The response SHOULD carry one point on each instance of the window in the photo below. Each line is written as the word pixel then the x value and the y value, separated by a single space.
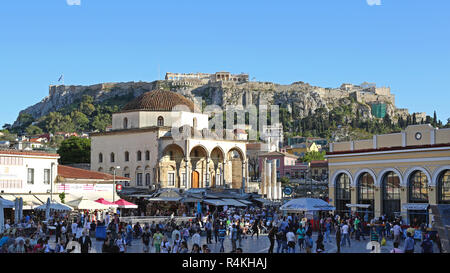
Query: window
pixel 139 156
pixel 444 188
pixel 278 163
pixel 160 121
pixel 147 179
pixel 30 177
pixel 147 155
pixel 100 158
pixel 183 181
pixel 139 179
pixel 171 179
pixel 418 190
pixel 46 176
pixel 125 123
pixel 343 187
pixel 112 157
pixel 391 186
pixel 127 156
pixel 366 188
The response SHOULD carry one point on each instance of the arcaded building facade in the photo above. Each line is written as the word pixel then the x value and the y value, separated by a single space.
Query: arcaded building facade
pixel 141 146
pixel 394 174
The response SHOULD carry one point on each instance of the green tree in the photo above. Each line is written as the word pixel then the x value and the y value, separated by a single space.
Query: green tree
pixel 310 156
pixel 33 130
pixel 75 150
pixel 80 121
pixel 86 106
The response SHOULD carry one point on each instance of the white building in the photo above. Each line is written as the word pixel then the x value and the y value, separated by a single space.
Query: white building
pixel 27 174
pixel 141 144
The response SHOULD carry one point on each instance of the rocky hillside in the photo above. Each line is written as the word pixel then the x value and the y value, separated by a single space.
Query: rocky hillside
pixel 299 98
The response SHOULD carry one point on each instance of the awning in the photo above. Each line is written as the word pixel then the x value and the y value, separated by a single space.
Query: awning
pixel 191 200
pixel 306 204
pixel 365 206
pixel 214 202
pixel 415 206
pixel 245 202
pixel 264 201
pixel 234 203
pixel 7 203
pixel 164 199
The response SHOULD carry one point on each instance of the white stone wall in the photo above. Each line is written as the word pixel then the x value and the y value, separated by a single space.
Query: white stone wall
pixel 18 171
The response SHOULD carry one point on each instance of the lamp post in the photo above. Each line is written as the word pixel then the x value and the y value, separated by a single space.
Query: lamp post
pixel 114 182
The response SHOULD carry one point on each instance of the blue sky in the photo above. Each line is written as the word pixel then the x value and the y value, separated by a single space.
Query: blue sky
pixel 404 44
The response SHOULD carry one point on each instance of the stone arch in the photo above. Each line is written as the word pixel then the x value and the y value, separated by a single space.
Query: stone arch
pixel 238 150
pixel 361 172
pixel 199 147
pixel 411 171
pixel 336 175
pixel 384 172
pixel 436 175
pixel 160 121
pixel 100 169
pixel 172 147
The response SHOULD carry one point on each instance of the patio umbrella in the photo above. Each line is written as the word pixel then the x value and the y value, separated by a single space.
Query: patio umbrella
pixel 2 218
pixel 306 204
pixel 20 209
pixel 47 209
pixel 54 206
pixel 104 202
pixel 125 204
pixel 16 211
pixel 83 204
pixel 6 203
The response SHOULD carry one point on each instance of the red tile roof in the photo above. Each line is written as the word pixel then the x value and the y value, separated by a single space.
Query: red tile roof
pixel 19 152
pixel 76 173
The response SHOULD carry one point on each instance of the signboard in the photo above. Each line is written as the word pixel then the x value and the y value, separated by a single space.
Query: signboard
pixel 287 191
pixel 118 188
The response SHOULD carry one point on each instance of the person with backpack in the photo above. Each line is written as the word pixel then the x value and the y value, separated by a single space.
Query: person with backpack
pixel 146 240
pixel 120 243
pixel 165 245
pixel 290 240
pixel 271 235
pixel 279 237
pixel 409 243
pixel 222 233
pixel 427 244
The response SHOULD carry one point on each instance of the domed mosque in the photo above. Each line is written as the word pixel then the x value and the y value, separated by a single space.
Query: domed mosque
pixel 141 144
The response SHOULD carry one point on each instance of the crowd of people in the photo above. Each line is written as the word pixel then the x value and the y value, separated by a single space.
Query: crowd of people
pixel 73 233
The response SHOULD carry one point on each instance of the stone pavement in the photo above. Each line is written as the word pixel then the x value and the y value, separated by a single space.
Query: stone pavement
pixel 261 245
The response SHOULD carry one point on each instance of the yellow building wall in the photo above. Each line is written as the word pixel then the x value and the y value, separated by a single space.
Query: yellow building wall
pixel 390 140
pixel 363 144
pixel 442 136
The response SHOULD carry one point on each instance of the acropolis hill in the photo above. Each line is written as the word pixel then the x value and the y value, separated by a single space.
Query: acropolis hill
pixel 224 88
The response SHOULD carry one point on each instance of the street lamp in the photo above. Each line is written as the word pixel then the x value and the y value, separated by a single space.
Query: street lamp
pixel 114 182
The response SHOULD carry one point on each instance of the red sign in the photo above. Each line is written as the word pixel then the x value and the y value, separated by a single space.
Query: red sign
pixel 118 187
